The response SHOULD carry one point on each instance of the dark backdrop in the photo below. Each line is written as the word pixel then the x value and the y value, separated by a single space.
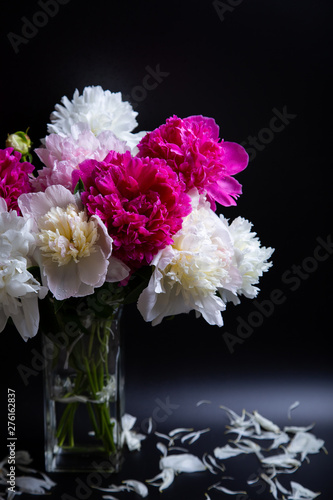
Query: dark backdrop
pixel 243 63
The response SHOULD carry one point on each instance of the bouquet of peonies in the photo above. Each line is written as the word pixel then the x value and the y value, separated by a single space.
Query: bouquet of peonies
pixel 132 211
pixel 115 217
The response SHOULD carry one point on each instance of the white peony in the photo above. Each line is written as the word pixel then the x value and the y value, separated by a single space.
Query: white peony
pixel 19 290
pixel 251 258
pixel 189 273
pixel 101 110
pixel 74 250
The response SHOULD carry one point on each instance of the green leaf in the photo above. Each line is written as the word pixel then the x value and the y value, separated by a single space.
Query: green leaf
pixel 79 186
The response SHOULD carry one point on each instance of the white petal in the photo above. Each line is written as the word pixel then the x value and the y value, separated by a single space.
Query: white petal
pixel 272 485
pixel 299 492
pixel 283 460
pixel 193 436
pixel 203 401
pixel 137 486
pixel 266 424
pixel 281 488
pixel 117 270
pixel 292 407
pixel 182 463
pixel 281 438
pixel 208 466
pixel 293 429
pixel 162 448
pixel 167 476
pixel 229 492
pixel 227 451
pixel 304 443
pixel 32 485
pixel 179 430
pixel 127 421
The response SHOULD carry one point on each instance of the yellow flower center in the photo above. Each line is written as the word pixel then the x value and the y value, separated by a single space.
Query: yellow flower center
pixel 66 234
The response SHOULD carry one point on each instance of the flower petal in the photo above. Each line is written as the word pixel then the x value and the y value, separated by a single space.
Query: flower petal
pixel 182 463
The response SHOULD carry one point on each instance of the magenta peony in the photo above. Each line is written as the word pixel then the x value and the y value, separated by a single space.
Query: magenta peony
pixel 14 177
pixel 140 200
pixel 191 147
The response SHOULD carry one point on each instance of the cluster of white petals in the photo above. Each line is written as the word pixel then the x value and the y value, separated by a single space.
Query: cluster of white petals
pixel 74 250
pixel 101 110
pixel 62 154
pixel 208 264
pixel 19 290
pixel 189 272
pixel 251 257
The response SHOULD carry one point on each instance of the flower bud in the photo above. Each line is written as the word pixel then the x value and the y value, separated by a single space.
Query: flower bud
pixel 20 141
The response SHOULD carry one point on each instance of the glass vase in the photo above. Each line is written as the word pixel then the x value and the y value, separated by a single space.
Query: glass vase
pixel 83 387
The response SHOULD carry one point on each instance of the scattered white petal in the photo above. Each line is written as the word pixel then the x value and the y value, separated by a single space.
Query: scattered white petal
pixel 272 485
pixel 179 430
pixel 166 476
pixel 292 407
pixel 249 446
pixel 241 431
pixel 193 436
pixel 32 485
pixel 203 402
pixel 137 486
pixel 113 488
pixel 208 465
pixel 214 463
pixel 227 451
pixel 301 493
pixel 162 448
pixel 279 439
pixel 233 417
pixel 226 490
pixel 305 443
pixel 150 425
pixel 292 429
pixel 165 436
pixel 266 424
pixel 253 481
pixel 128 436
pixel 185 462
pixel 283 460
pixel 281 488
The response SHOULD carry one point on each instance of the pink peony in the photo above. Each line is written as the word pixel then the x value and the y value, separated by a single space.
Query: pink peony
pixel 140 200
pixel 191 147
pixel 62 154
pixel 14 177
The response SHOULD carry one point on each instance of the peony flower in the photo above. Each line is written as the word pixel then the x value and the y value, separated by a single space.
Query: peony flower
pixel 191 147
pixel 62 154
pixel 140 200
pixel 19 290
pixel 75 250
pixel 189 272
pixel 101 110
pixel 14 177
pixel 251 258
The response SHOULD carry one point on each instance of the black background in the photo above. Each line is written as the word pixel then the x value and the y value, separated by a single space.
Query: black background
pixel 237 66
